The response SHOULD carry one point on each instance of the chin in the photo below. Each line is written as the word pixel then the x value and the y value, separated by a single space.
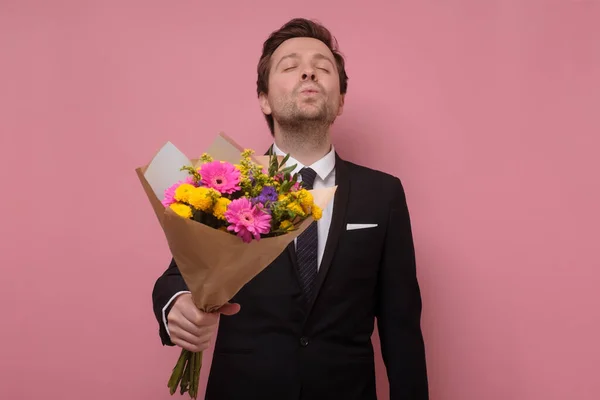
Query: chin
pixel 312 116
pixel 310 110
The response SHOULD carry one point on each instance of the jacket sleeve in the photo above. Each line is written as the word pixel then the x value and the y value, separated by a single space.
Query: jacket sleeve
pixel 399 307
pixel 166 289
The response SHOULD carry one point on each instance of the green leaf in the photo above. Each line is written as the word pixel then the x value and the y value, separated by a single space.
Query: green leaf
pixel 289 169
pixel 273 166
pixel 287 157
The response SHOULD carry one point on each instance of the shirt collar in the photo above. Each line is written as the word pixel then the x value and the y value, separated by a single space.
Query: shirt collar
pixel 322 167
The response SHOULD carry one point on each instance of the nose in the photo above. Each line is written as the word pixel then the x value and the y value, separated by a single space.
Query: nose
pixel 310 75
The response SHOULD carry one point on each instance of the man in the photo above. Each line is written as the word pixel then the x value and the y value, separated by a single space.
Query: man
pixel 302 328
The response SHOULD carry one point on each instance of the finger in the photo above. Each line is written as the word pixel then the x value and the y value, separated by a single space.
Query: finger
pixel 188 337
pixel 200 318
pixel 188 326
pixel 190 312
pixel 189 346
pixel 230 309
pixel 204 345
pixel 176 318
pixel 186 307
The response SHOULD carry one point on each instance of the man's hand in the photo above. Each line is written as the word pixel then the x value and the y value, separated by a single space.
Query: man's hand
pixel 191 328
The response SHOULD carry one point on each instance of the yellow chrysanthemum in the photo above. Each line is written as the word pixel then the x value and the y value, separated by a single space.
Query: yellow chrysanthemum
pixel 286 225
pixel 201 198
pixel 182 193
pixel 283 197
pixel 296 208
pixel 317 213
pixel 306 198
pixel 221 207
pixel 182 210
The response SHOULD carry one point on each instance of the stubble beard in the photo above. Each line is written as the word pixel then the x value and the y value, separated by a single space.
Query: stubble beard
pixel 303 128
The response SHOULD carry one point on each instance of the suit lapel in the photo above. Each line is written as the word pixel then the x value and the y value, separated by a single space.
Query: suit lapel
pixel 340 203
pixel 291 249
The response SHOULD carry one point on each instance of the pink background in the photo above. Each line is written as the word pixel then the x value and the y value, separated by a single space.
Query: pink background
pixel 488 110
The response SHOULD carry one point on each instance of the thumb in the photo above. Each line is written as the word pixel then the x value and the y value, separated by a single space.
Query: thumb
pixel 229 309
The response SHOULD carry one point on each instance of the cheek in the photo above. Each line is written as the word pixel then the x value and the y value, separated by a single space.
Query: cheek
pixel 332 85
pixel 282 85
pixel 333 93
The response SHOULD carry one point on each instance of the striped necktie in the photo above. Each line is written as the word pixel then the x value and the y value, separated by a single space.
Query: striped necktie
pixel 307 243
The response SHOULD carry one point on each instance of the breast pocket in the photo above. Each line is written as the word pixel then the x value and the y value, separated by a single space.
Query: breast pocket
pixel 361 249
pixel 365 235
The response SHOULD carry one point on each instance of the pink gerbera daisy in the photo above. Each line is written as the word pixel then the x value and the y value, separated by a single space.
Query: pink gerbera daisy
pixel 247 220
pixel 221 176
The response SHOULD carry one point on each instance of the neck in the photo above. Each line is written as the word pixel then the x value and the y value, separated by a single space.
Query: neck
pixel 305 145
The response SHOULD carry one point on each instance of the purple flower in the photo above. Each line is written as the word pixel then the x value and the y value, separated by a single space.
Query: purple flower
pixel 268 194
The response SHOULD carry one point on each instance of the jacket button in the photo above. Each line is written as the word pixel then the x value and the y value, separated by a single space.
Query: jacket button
pixel 304 341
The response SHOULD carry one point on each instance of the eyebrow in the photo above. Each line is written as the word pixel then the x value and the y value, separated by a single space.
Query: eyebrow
pixel 318 56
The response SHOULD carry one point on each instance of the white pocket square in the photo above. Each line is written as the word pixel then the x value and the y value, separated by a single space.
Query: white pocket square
pixel 359 226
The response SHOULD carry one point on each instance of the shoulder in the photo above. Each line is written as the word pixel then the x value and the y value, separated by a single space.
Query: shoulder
pixel 363 174
pixel 365 179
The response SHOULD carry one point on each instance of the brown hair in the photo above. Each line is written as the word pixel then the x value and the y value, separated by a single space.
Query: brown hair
pixel 297 27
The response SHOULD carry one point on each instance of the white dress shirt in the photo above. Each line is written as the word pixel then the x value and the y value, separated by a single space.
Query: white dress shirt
pixel 325 169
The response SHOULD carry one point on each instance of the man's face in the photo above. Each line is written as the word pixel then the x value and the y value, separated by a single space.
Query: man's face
pixel 304 84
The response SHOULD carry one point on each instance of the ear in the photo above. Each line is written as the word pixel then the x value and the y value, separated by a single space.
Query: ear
pixel 264 103
pixel 341 105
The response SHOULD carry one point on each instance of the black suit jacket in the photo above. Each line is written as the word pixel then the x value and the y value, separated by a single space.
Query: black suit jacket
pixel 276 349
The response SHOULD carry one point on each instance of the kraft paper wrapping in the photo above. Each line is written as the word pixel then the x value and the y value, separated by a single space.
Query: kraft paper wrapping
pixel 214 264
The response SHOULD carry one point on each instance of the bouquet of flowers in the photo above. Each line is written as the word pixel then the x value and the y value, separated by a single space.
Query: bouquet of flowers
pixel 226 216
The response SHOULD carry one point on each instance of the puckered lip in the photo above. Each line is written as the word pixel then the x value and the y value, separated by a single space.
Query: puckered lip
pixel 309 89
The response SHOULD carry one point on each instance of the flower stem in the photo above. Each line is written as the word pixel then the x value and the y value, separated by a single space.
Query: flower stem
pixel 190 378
pixel 185 378
pixel 196 374
pixel 178 371
pixel 186 374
